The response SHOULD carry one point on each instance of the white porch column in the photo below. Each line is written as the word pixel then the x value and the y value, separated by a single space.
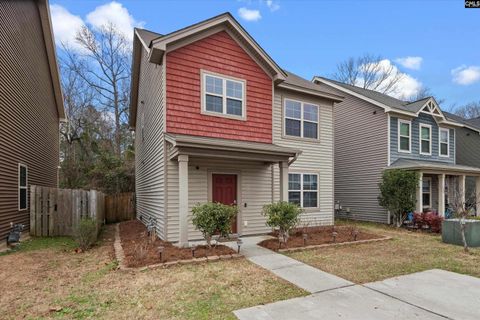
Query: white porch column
pixel 420 193
pixel 477 195
pixel 441 195
pixel 283 181
pixel 183 200
pixel 461 189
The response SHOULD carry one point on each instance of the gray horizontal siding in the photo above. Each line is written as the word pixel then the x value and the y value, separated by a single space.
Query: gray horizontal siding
pixel 361 154
pixel 468 147
pixel 415 143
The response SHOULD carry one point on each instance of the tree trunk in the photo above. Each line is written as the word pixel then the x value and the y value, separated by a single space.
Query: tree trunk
pixel 462 230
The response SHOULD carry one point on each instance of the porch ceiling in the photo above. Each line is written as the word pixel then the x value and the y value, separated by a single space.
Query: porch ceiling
pixel 434 167
pixel 228 149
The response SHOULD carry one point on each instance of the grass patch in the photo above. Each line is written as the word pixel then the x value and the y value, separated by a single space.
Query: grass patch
pixel 408 252
pixel 51 243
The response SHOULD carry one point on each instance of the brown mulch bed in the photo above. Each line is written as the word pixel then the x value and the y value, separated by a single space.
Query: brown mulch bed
pixel 317 236
pixel 140 251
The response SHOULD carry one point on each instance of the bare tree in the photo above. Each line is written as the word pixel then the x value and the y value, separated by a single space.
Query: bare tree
pixel 463 205
pixel 369 72
pixel 425 92
pixel 469 111
pixel 104 65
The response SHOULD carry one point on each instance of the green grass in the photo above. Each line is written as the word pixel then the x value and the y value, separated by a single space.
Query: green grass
pixel 52 243
pixel 406 253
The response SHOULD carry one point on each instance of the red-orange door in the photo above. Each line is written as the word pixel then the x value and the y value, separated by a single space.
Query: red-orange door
pixel 224 190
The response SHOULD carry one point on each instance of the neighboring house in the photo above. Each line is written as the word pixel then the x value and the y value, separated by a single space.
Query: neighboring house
pixel 374 132
pixel 216 119
pixel 31 107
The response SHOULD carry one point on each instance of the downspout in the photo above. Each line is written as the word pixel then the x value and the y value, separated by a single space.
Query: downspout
pixel 295 158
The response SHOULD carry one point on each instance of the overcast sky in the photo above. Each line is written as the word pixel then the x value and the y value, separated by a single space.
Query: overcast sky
pixel 435 43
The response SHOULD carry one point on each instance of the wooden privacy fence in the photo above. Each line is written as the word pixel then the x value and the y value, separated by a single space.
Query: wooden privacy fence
pixel 56 212
pixel 119 207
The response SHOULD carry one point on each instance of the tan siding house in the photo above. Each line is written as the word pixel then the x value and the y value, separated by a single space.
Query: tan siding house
pixel 213 130
pixel 30 107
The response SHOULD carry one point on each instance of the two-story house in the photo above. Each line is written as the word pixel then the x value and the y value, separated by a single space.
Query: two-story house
pixel 375 132
pixel 216 119
pixel 31 107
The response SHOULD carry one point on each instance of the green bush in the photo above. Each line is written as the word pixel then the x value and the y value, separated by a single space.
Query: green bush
pixel 211 218
pixel 85 233
pixel 398 193
pixel 283 216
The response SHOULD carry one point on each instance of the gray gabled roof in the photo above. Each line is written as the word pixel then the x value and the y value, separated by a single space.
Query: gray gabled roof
pixel 475 122
pixel 295 81
pixel 147 36
pixel 381 97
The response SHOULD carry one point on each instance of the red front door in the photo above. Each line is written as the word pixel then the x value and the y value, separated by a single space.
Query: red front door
pixel 224 190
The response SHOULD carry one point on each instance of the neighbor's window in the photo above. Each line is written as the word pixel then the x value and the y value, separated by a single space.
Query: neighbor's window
pixel 426 192
pixel 301 119
pixel 425 139
pixel 404 135
pixel 444 138
pixel 223 95
pixel 303 189
pixel 22 186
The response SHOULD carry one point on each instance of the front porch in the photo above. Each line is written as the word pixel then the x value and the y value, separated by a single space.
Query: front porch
pixel 441 184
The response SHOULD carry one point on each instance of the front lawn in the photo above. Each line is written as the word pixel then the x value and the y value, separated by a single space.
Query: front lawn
pixel 407 252
pixel 46 279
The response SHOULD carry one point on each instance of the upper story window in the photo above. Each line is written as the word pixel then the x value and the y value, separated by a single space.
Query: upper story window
pixel 223 96
pixel 303 189
pixel 301 119
pixel 425 139
pixel 444 142
pixel 404 135
pixel 22 186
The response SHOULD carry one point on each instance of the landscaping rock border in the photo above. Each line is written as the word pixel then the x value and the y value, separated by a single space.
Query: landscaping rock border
pixel 326 245
pixel 120 256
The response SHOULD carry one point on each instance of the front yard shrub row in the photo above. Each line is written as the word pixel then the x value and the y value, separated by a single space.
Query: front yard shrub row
pixel 213 218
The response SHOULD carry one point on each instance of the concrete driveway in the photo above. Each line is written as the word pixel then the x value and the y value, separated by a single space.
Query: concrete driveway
pixel 432 294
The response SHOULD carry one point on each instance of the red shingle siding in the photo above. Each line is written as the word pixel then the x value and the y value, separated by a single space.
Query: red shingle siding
pixel 218 53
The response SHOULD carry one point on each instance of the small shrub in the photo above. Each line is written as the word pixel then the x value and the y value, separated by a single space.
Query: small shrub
pixel 142 247
pixel 85 233
pixel 211 218
pixel 283 216
pixel 428 220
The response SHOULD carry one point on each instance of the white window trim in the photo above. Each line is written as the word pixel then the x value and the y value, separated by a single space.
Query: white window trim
pixel 440 142
pixel 302 103
pixel 423 125
pixel 20 165
pixel 400 121
pixel 429 179
pixel 301 188
pixel 224 114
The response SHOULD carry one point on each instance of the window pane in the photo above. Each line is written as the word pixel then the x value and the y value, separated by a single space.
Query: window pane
pixel 425 133
pixel 426 186
pixel 214 85
pixel 310 182
pixel 444 149
pixel 310 130
pixel 292 127
pixel 23 198
pixel 405 129
pixel 293 109
pixel 310 112
pixel 404 144
pixel 310 199
pixel 214 103
pixel 425 146
pixel 444 136
pixel 294 197
pixel 23 176
pixel 234 89
pixel 426 200
pixel 293 181
pixel 234 107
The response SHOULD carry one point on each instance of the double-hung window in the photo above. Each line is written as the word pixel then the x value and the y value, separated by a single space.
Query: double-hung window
pixel 404 135
pixel 427 192
pixel 22 187
pixel 301 119
pixel 303 189
pixel 444 142
pixel 425 139
pixel 223 96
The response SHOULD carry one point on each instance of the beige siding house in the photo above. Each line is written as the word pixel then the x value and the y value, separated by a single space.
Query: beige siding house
pixel 31 107
pixel 216 119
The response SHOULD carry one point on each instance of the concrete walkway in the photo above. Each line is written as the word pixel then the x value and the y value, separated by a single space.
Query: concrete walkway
pixel 300 274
